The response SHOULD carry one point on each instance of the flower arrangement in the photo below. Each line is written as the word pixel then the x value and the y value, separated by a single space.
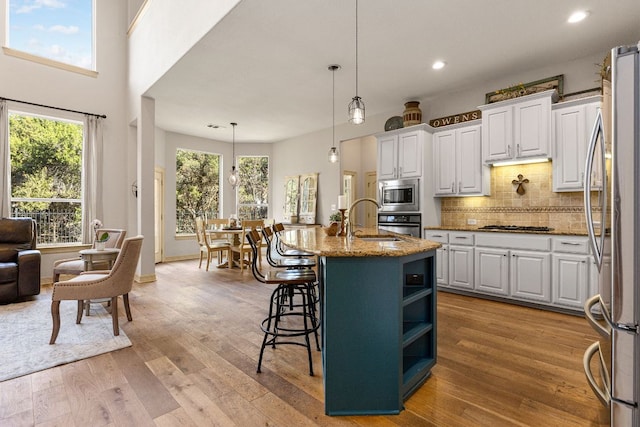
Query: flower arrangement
pixel 100 238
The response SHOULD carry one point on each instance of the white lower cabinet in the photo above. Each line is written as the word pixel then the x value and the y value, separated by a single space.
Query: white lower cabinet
pixel 555 271
pixel 530 275
pixel 570 280
pixel 492 271
pixel 442 265
pixel 461 267
pixel 442 255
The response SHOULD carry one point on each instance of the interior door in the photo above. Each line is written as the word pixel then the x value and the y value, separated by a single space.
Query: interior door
pixel 158 209
pixel 370 190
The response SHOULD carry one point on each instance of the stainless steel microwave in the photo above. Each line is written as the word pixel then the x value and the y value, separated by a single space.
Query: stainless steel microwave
pixel 400 195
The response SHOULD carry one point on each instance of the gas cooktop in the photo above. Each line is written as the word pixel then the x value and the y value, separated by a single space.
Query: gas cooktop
pixel 515 228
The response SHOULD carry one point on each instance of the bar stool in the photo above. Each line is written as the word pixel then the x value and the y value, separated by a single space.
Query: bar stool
pixel 292 300
pixel 280 249
pixel 290 262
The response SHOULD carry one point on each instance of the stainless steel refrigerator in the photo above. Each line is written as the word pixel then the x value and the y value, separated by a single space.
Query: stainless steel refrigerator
pixel 612 208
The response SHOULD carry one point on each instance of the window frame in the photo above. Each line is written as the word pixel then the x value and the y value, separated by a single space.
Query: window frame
pixel 242 181
pixel 218 213
pixel 60 116
pixel 22 54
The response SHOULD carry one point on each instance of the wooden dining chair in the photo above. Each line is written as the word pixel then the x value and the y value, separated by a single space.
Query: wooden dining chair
pixel 218 223
pixel 244 248
pixel 207 247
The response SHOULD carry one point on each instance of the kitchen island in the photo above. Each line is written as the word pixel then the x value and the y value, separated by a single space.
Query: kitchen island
pixel 378 305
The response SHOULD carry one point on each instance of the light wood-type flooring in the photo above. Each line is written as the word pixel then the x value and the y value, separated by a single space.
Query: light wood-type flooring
pixel 196 341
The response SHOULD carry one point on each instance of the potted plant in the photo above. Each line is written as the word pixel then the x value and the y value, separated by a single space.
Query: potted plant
pixel 334 224
pixel 101 239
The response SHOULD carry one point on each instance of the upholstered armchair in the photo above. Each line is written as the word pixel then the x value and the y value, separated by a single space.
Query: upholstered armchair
pixel 100 284
pixel 75 266
pixel 19 259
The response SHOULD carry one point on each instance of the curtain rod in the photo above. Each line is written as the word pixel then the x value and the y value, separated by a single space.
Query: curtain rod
pixel 55 108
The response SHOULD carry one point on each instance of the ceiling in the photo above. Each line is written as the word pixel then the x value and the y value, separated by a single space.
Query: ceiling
pixel 264 65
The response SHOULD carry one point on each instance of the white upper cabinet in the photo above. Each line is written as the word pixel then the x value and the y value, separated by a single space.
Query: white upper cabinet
pixel 572 123
pixel 400 153
pixel 518 128
pixel 457 161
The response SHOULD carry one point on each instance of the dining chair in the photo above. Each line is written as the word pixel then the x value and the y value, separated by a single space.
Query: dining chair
pixel 206 247
pixel 75 266
pixel 218 223
pixel 99 284
pixel 244 248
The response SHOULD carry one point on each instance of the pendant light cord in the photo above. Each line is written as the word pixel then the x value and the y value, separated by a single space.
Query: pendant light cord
pixel 233 145
pixel 356 48
pixel 333 110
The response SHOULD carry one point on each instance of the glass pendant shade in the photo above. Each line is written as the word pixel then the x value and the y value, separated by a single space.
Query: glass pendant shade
pixel 333 155
pixel 356 111
pixel 233 178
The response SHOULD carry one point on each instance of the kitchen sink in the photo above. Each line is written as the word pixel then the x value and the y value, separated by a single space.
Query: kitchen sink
pixel 380 238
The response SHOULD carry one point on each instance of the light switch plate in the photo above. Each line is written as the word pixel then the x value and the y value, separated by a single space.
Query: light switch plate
pixel 471 221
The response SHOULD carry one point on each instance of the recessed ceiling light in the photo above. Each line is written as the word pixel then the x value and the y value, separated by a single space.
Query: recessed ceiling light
pixel 212 126
pixel 438 65
pixel 577 16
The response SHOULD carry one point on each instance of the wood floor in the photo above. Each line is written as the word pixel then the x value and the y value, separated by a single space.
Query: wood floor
pixel 196 340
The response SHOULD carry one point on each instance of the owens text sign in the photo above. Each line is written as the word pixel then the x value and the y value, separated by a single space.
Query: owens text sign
pixel 456 118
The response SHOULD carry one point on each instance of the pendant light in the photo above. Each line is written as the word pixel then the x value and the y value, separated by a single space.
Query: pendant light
pixel 356 107
pixel 234 180
pixel 333 152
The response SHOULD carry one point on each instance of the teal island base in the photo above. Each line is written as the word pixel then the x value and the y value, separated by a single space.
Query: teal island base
pixel 378 330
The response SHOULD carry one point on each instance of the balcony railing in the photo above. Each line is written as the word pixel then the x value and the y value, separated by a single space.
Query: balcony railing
pixel 58 221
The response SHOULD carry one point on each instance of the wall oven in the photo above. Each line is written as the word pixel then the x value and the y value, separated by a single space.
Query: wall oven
pixel 409 224
pixel 399 195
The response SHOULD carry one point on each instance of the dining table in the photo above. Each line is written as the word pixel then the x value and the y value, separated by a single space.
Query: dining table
pixel 235 233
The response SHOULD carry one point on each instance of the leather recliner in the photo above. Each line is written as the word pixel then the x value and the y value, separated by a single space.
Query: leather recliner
pixel 19 259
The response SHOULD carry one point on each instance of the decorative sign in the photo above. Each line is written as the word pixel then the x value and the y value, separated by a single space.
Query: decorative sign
pixel 456 118
pixel 522 89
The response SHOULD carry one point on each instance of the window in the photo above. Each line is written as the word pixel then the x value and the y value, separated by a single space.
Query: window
pixel 59 30
pixel 46 175
pixel 197 188
pixel 253 191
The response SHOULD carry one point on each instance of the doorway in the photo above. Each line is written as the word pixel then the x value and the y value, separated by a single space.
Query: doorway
pixel 158 209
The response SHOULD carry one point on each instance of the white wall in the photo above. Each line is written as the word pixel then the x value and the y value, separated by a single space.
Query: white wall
pixel 308 153
pixel 179 247
pixel 105 94
pixel 157 43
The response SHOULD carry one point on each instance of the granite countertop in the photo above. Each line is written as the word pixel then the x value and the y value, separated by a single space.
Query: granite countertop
pixel 474 228
pixel 316 241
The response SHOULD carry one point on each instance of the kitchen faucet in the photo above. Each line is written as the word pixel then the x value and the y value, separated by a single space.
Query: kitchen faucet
pixel 350 233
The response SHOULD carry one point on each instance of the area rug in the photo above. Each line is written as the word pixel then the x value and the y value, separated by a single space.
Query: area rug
pixel 25 330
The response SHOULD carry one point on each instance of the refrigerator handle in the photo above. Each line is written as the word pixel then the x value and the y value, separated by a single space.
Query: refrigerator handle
pixel 597 252
pixel 604 330
pixel 603 395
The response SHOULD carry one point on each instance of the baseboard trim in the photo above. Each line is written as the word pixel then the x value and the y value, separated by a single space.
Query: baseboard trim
pixel 179 258
pixel 145 278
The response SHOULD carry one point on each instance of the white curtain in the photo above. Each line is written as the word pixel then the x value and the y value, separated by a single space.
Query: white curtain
pixel 92 169
pixel 5 169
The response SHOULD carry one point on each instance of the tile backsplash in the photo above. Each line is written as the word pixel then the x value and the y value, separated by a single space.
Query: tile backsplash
pixel 538 206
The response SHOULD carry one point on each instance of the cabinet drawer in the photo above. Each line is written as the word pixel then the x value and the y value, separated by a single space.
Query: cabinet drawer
pixel 461 239
pixel 514 241
pixel 436 236
pixel 574 245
